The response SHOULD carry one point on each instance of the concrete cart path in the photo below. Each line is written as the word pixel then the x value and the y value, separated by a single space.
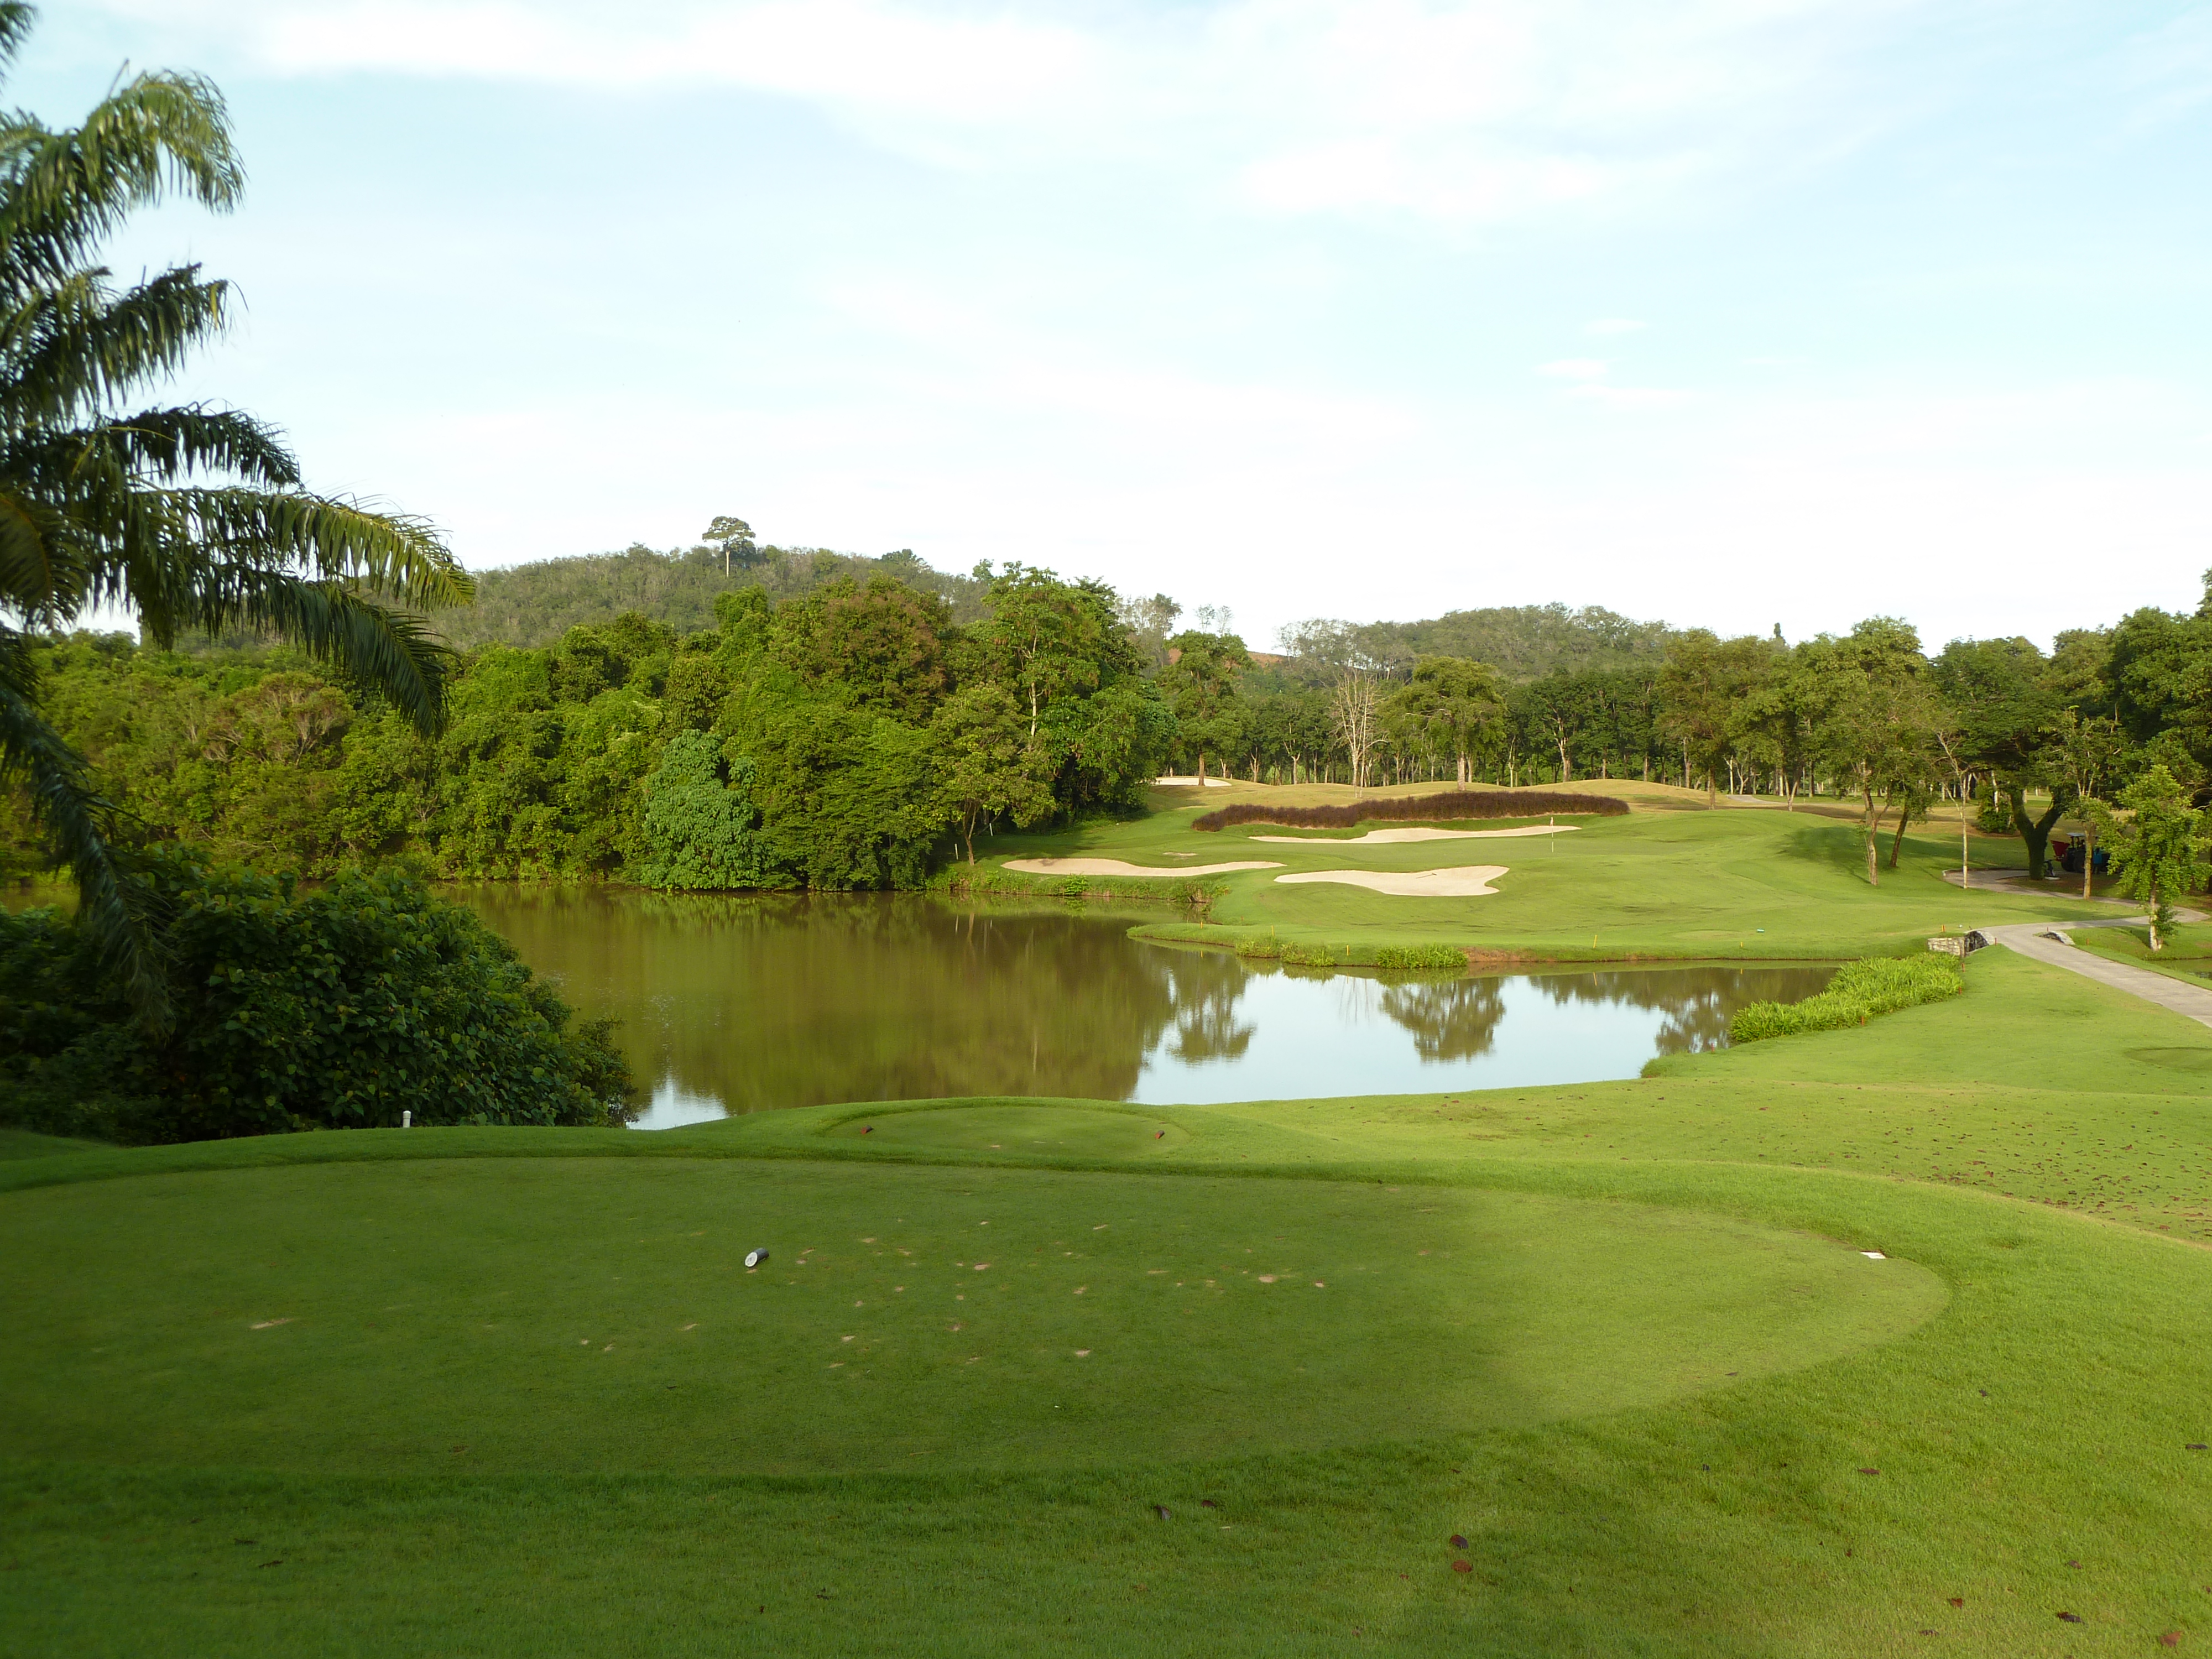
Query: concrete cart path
pixel 2028 938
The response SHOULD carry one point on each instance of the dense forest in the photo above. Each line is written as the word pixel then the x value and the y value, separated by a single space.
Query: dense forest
pixel 755 718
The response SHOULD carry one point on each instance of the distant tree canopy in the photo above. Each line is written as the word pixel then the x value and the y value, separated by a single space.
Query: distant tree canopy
pixel 534 606
pixel 839 739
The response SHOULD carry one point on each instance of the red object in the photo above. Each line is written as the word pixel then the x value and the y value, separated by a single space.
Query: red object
pixel 1458 1542
pixel 1462 1566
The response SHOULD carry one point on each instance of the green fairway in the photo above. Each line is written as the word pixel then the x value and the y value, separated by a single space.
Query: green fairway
pixel 1735 882
pixel 972 1319
pixel 1056 1376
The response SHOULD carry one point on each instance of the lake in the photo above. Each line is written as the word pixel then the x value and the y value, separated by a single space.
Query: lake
pixel 733 1004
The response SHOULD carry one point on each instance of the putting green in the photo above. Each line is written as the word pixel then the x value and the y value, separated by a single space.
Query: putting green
pixel 513 1315
pixel 1063 1131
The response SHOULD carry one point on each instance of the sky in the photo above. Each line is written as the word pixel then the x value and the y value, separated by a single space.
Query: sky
pixel 1731 313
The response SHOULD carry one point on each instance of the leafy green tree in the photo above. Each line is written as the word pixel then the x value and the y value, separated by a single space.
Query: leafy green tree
pixel 2083 753
pixel 883 645
pixel 1201 686
pixel 2005 700
pixel 733 539
pixel 1448 708
pixel 698 828
pixel 1061 650
pixel 1876 720
pixel 2155 847
pixel 193 518
pixel 1706 680
pixel 987 765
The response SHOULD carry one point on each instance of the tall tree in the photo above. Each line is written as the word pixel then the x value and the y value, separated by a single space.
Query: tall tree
pixel 1448 708
pixel 190 517
pixel 987 765
pixel 2155 846
pixel 2004 699
pixel 1201 685
pixel 1705 682
pixel 1352 705
pixel 1877 718
pixel 2081 753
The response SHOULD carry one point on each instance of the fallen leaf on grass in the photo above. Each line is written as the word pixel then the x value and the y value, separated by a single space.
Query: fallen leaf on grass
pixel 1162 1510
pixel 267 1323
pixel 2171 1639
pixel 1958 1600
pixel 693 1326
pixel 1458 1542
pixel 1083 1353
pixel 2193 1446
pixel 278 1563
pixel 1462 1566
pixel 2071 1617
pixel 1266 1279
pixel 1207 1503
pixel 1870 1471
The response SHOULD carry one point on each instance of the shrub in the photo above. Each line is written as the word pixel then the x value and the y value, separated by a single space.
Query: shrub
pixel 1860 990
pixel 1421 955
pixel 335 1009
pixel 1452 805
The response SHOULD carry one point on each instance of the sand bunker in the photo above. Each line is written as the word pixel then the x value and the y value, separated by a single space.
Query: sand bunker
pixel 1421 834
pixel 1460 881
pixel 1115 867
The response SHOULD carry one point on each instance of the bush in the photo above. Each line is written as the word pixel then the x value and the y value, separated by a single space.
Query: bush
pixel 1860 990
pixel 1421 955
pixel 1452 805
pixel 335 1009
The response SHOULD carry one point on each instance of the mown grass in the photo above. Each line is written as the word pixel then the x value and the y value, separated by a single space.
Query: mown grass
pixel 202 1486
pixel 1666 881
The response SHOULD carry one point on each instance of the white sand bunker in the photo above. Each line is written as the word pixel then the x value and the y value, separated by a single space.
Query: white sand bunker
pixel 1378 836
pixel 1460 881
pixel 1117 867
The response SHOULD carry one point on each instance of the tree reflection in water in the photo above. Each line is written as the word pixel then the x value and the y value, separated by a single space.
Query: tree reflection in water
pixel 788 999
pixel 1453 1019
pixel 1696 1001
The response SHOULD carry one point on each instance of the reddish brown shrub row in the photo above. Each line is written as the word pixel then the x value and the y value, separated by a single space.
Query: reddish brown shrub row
pixel 1452 804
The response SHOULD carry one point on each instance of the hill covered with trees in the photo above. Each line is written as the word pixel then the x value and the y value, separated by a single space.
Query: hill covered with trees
pixel 530 605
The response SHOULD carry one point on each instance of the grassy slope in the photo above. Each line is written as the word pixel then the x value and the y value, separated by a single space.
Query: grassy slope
pixel 2039 1420
pixel 1662 882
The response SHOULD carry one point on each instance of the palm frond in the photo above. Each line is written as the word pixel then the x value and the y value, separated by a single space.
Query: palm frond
pixel 62 193
pixel 77 347
pixel 122 914
pixel 16 17
pixel 396 555
pixel 26 564
pixel 392 654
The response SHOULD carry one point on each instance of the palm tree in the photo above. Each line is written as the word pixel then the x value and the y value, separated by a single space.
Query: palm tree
pixel 190 517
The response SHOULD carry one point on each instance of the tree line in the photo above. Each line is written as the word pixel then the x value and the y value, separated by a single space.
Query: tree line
pixel 855 734
pixel 843 739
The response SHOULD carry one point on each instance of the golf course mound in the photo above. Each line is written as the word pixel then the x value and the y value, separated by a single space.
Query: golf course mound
pixel 512 1316
pixel 1026 1128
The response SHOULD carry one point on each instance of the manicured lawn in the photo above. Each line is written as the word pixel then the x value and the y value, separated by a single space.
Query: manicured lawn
pixel 2012 1391
pixel 1665 881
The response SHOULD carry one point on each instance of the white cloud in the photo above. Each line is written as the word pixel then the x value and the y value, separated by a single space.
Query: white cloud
pixel 1478 111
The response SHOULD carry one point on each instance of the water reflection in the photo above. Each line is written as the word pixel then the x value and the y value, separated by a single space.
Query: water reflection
pixel 744 1004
